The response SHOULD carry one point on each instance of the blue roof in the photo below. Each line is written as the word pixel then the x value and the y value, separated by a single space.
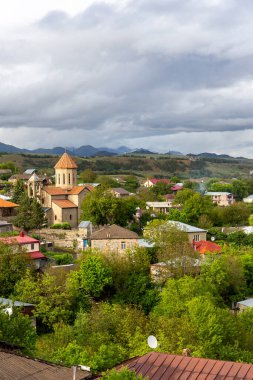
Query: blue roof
pixel 30 171
pixel 84 224
pixel 8 302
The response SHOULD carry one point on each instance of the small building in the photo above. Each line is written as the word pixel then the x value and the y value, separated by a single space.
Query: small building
pixel 85 230
pixel 195 234
pixel 245 304
pixel 159 207
pixel 177 187
pixel 113 238
pixel 5 226
pixel 248 199
pixel 154 181
pixel 119 192
pixel 7 208
pixel 221 198
pixel 24 308
pixel 29 244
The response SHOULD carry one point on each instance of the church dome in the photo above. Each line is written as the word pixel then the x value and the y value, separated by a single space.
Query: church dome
pixel 66 162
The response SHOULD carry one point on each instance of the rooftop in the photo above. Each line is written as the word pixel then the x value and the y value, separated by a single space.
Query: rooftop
pixel 114 232
pixel 159 366
pixel 217 193
pixel 17 367
pixel 7 204
pixel 64 203
pixel 248 302
pixel 66 162
pixel 184 227
pixel 203 246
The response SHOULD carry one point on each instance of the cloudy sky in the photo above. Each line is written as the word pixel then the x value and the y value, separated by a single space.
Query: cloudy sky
pixel 158 74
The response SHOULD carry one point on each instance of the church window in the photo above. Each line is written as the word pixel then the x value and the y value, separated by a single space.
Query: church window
pixel 63 180
pixel 59 179
pixel 70 217
pixel 69 178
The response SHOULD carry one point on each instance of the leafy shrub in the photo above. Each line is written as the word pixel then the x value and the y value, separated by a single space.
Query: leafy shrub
pixel 59 226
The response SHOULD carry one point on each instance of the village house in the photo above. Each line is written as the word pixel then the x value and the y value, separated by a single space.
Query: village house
pixel 29 244
pixel 221 198
pixel 119 192
pixel 154 181
pixel 62 202
pixel 195 234
pixel 248 199
pixel 23 307
pixel 159 207
pixel 113 238
pixel 5 226
pixel 7 208
pixel 245 304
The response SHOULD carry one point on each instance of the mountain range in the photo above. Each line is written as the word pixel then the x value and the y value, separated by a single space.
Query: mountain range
pixel 91 151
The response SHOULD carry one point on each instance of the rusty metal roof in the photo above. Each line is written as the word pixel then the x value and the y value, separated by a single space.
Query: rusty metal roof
pixel 16 367
pixel 158 366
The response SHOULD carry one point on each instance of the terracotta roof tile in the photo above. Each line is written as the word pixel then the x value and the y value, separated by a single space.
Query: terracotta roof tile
pixel 203 246
pixel 64 203
pixel 7 204
pixel 66 162
pixel 158 366
pixel 75 190
pixel 114 232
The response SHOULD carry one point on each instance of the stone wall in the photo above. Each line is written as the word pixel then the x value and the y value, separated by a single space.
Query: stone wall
pixel 60 238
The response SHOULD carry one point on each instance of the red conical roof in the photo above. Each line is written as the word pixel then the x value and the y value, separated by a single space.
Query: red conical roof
pixel 66 162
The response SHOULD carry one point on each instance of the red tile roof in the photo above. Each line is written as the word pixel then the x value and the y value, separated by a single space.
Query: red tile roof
pixel 158 366
pixel 203 246
pixel 156 180
pixel 64 203
pixel 75 190
pixel 177 187
pixel 66 162
pixel 37 255
pixel 12 240
pixel 7 204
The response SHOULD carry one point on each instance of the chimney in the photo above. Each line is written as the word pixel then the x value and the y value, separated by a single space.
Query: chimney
pixel 21 234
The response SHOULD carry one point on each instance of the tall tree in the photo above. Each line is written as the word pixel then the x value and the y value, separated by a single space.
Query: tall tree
pixel 18 192
pixel 30 214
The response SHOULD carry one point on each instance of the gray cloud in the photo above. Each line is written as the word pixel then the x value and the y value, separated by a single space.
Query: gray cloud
pixel 141 72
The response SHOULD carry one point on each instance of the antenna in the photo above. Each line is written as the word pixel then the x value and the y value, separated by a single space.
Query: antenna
pixel 152 341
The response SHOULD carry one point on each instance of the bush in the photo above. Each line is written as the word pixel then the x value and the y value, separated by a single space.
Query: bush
pixel 60 258
pixel 59 226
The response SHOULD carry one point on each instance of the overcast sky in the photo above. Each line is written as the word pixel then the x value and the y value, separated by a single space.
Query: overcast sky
pixel 158 74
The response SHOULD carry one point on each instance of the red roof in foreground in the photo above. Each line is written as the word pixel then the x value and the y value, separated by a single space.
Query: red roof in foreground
pixel 203 246
pixel 37 255
pixel 18 240
pixel 157 366
pixel 177 187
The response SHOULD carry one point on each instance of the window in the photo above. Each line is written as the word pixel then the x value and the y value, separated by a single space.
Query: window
pixel 55 217
pixel 123 245
pixel 70 217
pixel 59 179
pixel 196 238
pixel 63 180
pixel 69 178
pixel 32 245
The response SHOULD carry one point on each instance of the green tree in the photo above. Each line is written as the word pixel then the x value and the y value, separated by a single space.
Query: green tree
pixel 94 275
pixel 182 196
pixel 88 176
pixel 17 329
pixel 196 206
pixel 122 374
pixel 18 192
pixel 30 214
pixel 235 215
pixel 239 189
pixel 13 264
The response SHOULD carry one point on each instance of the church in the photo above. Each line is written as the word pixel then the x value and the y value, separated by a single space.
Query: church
pixel 61 202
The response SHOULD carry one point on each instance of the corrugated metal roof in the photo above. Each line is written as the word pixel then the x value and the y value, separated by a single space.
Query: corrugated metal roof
pixel 248 302
pixel 84 224
pixel 185 227
pixel 159 366
pixel 7 301
pixel 217 193
pixel 16 367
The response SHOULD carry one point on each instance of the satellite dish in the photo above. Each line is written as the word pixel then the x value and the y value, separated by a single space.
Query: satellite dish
pixel 152 341
pixel 213 238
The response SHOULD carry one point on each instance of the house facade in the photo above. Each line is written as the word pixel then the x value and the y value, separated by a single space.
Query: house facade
pixel 30 245
pixel 195 234
pixel 113 239
pixel 62 202
pixel 221 198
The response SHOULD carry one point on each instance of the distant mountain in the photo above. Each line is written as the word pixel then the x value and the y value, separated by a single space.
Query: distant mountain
pixel 174 153
pixel 141 151
pixel 212 155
